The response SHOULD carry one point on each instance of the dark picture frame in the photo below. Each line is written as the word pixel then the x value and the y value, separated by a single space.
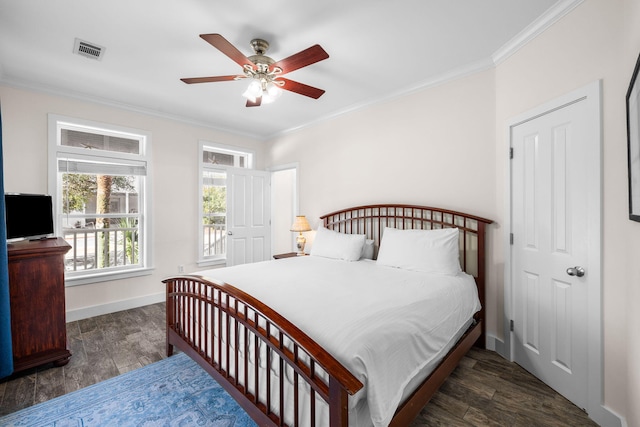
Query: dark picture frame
pixel 633 143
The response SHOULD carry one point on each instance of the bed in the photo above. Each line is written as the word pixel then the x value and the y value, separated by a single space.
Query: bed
pixel 349 336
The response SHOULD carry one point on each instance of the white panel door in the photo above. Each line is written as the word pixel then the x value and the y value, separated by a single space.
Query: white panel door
pixel 550 248
pixel 248 216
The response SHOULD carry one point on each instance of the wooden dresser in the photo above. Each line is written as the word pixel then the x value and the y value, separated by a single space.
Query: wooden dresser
pixel 36 289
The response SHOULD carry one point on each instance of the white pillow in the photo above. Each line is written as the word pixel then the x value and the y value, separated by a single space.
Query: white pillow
pixel 331 244
pixel 429 251
pixel 368 249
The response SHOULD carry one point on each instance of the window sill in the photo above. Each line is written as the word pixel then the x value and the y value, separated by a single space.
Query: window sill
pixel 106 276
pixel 220 262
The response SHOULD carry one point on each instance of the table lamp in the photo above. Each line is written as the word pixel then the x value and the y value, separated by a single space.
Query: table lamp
pixel 300 224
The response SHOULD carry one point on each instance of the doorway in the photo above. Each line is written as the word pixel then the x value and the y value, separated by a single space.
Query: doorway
pixel 284 196
pixel 553 266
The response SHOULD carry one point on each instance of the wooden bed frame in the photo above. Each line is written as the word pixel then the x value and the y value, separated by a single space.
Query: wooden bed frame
pixel 233 320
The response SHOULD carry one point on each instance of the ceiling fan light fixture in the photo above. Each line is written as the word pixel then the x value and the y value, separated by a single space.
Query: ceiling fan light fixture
pixel 266 99
pixel 265 73
pixel 254 90
pixel 273 90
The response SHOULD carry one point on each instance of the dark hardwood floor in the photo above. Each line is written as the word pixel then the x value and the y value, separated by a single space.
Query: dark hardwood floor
pixel 101 347
pixel 485 390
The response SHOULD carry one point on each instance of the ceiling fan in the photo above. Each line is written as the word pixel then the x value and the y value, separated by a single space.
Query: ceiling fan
pixel 265 73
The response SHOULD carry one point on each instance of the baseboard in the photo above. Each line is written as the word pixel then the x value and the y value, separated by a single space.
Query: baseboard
pixel 112 307
pixel 497 345
pixel 606 417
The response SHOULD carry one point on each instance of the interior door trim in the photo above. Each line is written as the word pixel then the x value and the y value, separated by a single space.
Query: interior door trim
pixel 591 94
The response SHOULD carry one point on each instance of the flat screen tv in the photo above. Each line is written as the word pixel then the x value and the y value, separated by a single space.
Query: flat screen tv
pixel 28 216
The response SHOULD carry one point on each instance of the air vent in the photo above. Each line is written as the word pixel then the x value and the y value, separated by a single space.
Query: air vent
pixel 88 50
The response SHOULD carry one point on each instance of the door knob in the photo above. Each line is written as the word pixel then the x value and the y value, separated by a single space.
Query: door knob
pixel 575 271
pixel 230 233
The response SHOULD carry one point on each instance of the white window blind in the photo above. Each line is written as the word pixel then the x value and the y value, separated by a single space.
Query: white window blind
pixel 83 166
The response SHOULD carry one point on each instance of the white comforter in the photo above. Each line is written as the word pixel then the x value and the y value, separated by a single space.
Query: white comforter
pixel 385 325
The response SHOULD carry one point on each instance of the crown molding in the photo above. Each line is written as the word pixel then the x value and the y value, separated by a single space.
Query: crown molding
pixel 455 74
pixel 123 106
pixel 540 25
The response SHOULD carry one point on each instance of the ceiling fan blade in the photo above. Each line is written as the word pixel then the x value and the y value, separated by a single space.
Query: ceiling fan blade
pixel 301 59
pixel 301 88
pixel 257 102
pixel 191 80
pixel 223 45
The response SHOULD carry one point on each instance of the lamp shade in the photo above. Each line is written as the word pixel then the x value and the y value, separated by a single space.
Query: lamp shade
pixel 253 91
pixel 300 224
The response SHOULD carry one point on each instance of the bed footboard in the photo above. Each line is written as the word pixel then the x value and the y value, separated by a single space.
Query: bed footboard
pixel 233 337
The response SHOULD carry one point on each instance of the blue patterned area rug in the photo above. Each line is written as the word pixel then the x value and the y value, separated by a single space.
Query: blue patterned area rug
pixel 172 392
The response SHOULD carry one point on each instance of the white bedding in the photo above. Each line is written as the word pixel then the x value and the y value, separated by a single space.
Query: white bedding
pixel 385 325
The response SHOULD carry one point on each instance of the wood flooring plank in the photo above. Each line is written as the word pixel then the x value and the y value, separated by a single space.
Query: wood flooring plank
pixel 474 393
pixel 97 368
pixel 104 321
pixel 95 342
pixel 481 354
pixel 506 389
pixel 560 408
pixel 3 388
pixel 467 362
pixel 49 384
pixel 125 354
pixel 496 368
pixel 478 389
pixel 489 415
pixel 435 416
pixel 453 406
pixel 73 330
pixel 88 325
pixel 19 394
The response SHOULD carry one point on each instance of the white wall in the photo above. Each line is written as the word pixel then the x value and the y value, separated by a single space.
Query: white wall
pixel 174 195
pixel 393 152
pixel 585 46
pixel 631 51
pixel 446 146
pixel 436 147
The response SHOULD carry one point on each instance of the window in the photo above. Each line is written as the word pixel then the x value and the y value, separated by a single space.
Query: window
pixel 99 181
pixel 214 162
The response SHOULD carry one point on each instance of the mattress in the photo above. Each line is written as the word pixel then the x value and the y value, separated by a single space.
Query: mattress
pixel 389 327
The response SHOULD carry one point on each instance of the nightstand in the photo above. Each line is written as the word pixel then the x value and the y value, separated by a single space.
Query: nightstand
pixel 287 255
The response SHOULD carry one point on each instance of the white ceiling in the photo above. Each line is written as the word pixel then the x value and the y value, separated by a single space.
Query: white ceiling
pixel 378 50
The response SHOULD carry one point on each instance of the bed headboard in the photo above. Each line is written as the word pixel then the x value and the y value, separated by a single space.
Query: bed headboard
pixel 371 220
